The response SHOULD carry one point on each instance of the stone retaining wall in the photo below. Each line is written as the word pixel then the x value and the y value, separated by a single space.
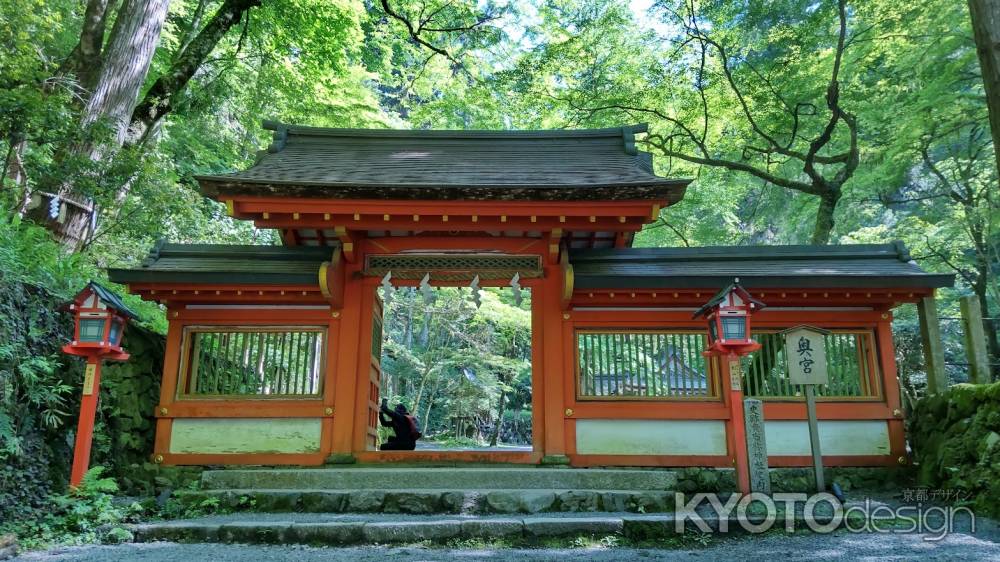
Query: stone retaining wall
pixel 956 442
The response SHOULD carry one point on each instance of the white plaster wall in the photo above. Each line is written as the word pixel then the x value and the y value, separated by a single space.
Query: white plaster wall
pixel 650 437
pixel 848 437
pixel 264 435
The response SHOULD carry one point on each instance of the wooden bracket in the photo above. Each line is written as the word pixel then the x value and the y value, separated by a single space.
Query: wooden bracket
pixel 331 279
pixel 346 242
pixel 567 280
pixel 555 240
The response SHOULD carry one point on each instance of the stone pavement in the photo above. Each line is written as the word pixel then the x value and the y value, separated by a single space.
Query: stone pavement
pixel 984 544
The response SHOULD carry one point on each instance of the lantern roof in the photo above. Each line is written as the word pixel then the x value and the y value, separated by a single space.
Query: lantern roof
pixel 381 164
pixel 722 295
pixel 110 299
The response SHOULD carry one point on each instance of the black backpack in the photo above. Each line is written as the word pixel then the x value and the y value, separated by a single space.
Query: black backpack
pixel 414 427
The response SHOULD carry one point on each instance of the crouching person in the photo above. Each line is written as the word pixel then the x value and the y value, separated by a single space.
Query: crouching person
pixel 404 426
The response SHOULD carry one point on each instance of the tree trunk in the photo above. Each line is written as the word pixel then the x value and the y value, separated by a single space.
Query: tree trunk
pixel 125 64
pixel 84 61
pixel 427 414
pixel 414 407
pixel 825 217
pixel 496 427
pixel 985 16
pixel 13 166
pixel 989 325
pixel 408 328
pixel 425 330
pixel 430 404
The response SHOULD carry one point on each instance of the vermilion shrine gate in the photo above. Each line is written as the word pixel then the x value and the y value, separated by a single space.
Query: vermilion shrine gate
pixel 273 352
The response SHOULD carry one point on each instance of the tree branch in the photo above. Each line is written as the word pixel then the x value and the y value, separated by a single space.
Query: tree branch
pixel 159 98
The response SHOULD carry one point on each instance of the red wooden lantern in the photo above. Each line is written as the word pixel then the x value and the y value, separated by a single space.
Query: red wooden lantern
pixel 100 318
pixel 728 314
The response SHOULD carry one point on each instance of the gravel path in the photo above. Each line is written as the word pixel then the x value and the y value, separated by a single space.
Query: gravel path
pixel 983 545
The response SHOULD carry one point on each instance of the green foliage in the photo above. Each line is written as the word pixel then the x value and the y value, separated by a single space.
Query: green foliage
pixel 87 514
pixel 39 385
pixel 457 366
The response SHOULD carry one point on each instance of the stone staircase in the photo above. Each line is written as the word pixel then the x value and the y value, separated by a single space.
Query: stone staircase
pixel 415 504
pixel 425 490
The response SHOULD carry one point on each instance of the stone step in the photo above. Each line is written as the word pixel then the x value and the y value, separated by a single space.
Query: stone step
pixel 345 530
pixel 429 501
pixel 441 478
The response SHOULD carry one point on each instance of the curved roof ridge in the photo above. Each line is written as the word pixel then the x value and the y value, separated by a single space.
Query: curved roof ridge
pixel 308 130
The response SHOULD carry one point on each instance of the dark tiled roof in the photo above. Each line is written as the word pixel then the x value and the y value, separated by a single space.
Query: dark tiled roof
pixel 854 266
pixel 224 264
pixel 587 164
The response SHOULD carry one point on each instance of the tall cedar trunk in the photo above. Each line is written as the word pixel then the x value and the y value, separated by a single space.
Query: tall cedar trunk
pixel 425 330
pixel 983 269
pixel 986 30
pixel 125 64
pixel 408 329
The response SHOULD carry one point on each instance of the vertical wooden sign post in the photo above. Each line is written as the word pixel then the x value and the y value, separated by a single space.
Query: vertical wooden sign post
pixel 806 351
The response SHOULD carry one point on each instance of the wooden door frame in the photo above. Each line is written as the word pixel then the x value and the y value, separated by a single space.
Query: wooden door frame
pixel 365 288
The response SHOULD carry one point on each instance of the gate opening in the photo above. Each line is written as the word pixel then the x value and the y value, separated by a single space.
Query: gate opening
pixel 462 368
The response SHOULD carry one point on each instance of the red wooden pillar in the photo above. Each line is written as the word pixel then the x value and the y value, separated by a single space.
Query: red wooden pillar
pixel 737 423
pixel 85 427
pixel 350 347
pixel 552 368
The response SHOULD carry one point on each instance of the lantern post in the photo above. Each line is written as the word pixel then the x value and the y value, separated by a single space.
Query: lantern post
pixel 728 315
pixel 99 323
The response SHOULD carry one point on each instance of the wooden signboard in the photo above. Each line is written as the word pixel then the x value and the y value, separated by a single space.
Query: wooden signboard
pixel 806 355
pixel 88 379
pixel 806 352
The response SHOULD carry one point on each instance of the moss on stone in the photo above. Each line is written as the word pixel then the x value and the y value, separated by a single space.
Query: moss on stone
pixel 956 441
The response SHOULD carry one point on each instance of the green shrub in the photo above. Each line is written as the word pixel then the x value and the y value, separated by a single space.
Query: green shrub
pixel 87 514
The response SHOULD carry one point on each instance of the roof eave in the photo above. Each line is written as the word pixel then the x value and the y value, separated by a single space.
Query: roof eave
pixel 925 281
pixel 163 277
pixel 220 187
